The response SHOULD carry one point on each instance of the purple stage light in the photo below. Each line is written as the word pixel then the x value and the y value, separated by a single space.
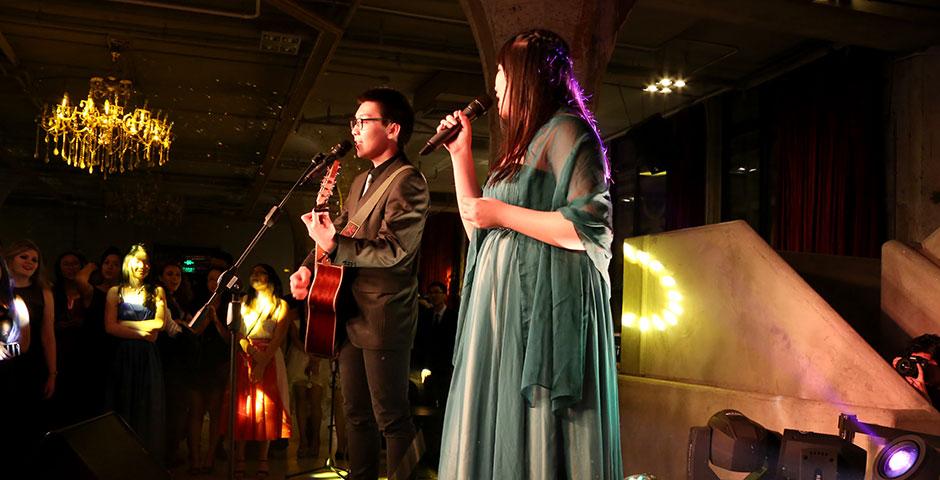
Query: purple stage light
pixel 899 459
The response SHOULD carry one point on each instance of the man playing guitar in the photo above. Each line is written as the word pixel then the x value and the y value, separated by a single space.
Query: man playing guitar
pixel 379 293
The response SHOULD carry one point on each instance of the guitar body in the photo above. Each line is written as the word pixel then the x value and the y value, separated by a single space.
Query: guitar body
pixel 322 322
pixel 321 310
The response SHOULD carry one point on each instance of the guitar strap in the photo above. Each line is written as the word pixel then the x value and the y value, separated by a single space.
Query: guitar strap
pixel 354 224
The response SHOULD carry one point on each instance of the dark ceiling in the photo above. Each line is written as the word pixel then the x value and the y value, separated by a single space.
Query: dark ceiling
pixel 247 117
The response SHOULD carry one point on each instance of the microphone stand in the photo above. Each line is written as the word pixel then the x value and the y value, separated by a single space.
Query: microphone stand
pixel 329 469
pixel 229 284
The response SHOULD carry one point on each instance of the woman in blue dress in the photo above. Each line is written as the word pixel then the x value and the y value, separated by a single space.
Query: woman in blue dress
pixel 534 391
pixel 134 313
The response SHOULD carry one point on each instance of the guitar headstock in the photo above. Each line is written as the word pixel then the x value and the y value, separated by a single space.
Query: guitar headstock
pixel 327 185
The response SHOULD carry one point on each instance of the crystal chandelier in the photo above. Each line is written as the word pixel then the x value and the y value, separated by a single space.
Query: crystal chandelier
pixel 102 132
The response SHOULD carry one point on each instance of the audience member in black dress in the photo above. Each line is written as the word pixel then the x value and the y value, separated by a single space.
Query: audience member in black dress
pixel 14 322
pixel 25 263
pixel 14 343
pixel 177 354
pixel 100 346
pixel 72 294
pixel 210 371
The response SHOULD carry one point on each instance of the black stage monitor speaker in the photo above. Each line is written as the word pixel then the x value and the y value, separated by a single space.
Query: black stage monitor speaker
pixel 100 448
pixel 817 456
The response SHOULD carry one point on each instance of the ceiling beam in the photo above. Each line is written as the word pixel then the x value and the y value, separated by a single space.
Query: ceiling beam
pixel 316 64
pixel 312 19
pixel 8 50
pixel 447 82
pixel 838 25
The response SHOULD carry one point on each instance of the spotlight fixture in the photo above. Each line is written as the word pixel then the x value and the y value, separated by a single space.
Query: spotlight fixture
pixel 733 442
pixel 907 457
pixel 810 455
pixel 736 443
pixel 666 85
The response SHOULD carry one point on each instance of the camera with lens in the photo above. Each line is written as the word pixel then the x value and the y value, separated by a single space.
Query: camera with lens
pixel 908 366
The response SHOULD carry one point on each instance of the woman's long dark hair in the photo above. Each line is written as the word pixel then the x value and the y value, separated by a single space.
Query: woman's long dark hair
pixel 273 279
pixel 539 80
pixel 150 300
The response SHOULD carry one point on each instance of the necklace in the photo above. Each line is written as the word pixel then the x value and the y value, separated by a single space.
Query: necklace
pixel 135 290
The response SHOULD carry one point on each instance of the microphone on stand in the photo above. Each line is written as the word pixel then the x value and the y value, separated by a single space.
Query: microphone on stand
pixel 336 152
pixel 476 108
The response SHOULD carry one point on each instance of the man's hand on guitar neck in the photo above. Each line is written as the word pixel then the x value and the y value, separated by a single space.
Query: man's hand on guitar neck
pixel 300 283
pixel 321 229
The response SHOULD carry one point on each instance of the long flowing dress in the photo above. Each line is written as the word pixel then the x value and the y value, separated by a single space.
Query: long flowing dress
pixel 534 391
pixel 262 408
pixel 135 384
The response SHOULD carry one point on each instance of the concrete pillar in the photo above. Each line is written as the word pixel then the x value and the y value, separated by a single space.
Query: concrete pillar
pixel 914 146
pixel 589 26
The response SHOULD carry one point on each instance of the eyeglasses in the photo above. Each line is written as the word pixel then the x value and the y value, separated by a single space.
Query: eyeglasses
pixel 357 122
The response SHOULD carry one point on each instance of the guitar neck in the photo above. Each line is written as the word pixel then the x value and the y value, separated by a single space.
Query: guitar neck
pixel 322 256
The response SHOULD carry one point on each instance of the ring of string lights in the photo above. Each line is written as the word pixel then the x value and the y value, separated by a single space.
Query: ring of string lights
pixel 669 316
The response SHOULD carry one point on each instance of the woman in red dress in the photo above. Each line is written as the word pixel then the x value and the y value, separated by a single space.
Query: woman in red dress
pixel 262 409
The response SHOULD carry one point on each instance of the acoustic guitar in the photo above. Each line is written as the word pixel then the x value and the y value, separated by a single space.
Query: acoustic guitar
pixel 320 338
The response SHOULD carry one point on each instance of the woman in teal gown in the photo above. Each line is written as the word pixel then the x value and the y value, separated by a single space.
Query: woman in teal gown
pixel 534 391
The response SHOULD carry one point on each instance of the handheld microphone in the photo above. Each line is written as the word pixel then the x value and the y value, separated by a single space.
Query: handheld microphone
pixel 476 108
pixel 337 151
